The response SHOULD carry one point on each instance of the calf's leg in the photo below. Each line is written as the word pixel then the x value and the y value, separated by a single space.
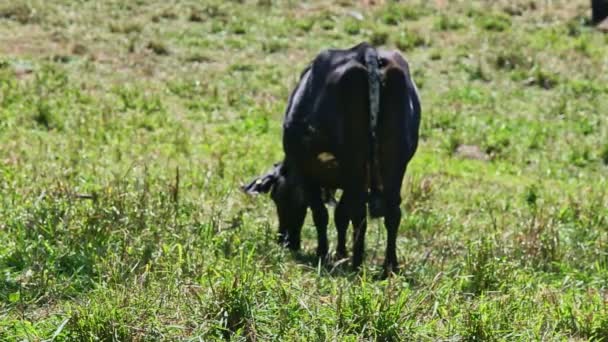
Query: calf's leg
pixel 320 218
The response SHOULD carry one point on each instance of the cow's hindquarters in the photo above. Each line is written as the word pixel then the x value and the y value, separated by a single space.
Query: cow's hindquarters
pixel 353 105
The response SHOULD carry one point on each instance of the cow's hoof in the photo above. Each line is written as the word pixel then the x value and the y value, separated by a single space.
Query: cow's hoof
pixel 341 255
pixel 323 256
pixel 282 241
pixel 324 259
pixel 389 270
pixel 357 261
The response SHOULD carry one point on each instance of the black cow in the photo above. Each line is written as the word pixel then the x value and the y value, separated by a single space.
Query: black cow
pixel 352 124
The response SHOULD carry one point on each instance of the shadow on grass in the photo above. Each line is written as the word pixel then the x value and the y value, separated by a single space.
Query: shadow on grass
pixel 341 267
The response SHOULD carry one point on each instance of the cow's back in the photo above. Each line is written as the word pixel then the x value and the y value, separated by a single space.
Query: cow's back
pixel 327 122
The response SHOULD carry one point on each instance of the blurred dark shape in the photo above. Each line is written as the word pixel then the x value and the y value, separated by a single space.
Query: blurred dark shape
pixel 599 10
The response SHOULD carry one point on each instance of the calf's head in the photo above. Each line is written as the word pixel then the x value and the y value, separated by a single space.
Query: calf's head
pixel 287 193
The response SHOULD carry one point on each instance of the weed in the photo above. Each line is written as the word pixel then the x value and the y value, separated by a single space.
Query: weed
pixel 604 154
pixel 20 12
pixel 512 59
pixel 158 48
pixel 304 24
pixel 352 27
pixel 481 267
pixel 447 22
pixel 496 22
pixel 126 27
pixel 408 40
pixel 166 14
pixel 542 78
pixel 378 38
pixel 196 15
pixel 273 45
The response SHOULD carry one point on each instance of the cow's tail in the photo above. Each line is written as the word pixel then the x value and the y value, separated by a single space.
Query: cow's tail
pixel 376 203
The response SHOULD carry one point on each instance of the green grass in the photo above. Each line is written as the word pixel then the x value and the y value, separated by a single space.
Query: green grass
pixel 126 129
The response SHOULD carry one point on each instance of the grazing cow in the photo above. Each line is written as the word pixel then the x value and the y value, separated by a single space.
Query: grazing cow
pixel 352 124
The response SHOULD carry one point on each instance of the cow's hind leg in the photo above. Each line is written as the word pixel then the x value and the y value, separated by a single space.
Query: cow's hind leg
pixel 358 216
pixel 341 219
pixel 354 106
pixel 392 219
pixel 395 153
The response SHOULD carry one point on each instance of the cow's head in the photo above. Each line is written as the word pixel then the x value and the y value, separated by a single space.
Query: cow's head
pixel 265 183
pixel 287 193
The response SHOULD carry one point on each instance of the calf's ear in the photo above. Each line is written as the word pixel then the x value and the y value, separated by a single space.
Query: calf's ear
pixel 262 184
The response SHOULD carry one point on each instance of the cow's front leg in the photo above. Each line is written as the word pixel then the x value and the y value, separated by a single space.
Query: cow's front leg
pixel 291 219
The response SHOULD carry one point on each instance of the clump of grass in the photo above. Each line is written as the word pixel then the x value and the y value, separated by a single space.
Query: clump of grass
pixel 232 304
pixel 481 267
pixel 419 192
pixel 412 12
pixel 166 14
pixel 241 67
pixel 411 39
pixel 378 37
pixel 126 27
pixel 199 58
pixel 273 45
pixel 604 154
pixel 542 78
pixel 519 8
pixel 496 22
pixel 304 24
pixel 18 11
pixel 238 28
pixel 215 11
pixel 158 48
pixel 104 320
pixel 452 141
pixel 575 26
pixel 476 326
pixel 79 49
pixel 396 13
pixel 580 157
pixel 357 313
pixel 479 72
pixel 390 18
pixel 352 27
pixel 196 15
pixel 327 20
pixel 435 55
pixel 327 24
pixel 448 22
pixel 497 142
pixel 44 115
pixel 511 59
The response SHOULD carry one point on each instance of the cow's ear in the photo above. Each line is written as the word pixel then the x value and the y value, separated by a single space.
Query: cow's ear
pixel 264 183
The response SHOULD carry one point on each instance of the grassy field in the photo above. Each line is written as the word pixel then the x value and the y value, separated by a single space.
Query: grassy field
pixel 126 128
